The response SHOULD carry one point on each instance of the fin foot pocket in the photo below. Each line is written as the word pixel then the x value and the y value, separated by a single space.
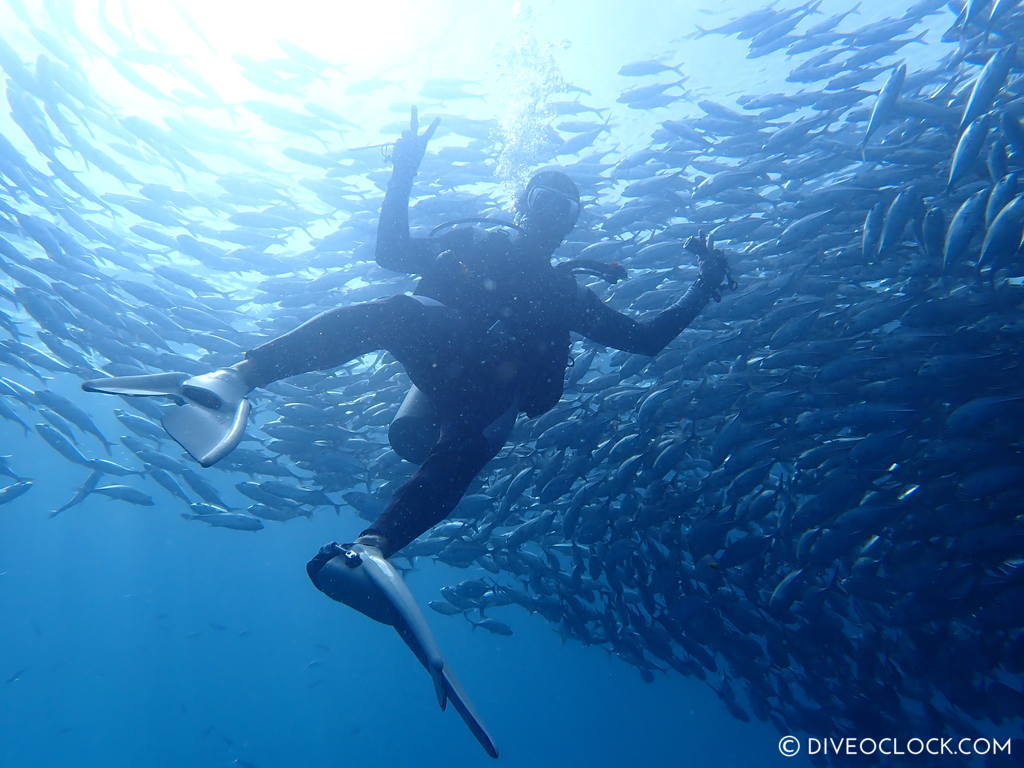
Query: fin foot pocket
pixel 202 396
pixel 315 565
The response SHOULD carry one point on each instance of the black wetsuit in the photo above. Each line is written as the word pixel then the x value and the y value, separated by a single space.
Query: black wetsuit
pixel 498 339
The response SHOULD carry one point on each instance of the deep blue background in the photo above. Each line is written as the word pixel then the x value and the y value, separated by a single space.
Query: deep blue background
pixel 146 639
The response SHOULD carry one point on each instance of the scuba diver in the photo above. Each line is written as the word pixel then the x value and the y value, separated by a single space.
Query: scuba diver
pixel 485 336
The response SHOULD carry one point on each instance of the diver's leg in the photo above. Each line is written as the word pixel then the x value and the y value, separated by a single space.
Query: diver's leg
pixel 435 489
pixel 402 325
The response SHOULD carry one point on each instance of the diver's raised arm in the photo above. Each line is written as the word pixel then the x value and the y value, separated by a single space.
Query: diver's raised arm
pixel 648 336
pixel 396 249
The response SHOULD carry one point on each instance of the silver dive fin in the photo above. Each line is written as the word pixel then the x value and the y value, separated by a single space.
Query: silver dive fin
pixel 362 578
pixel 167 384
pixel 213 410
pixel 206 434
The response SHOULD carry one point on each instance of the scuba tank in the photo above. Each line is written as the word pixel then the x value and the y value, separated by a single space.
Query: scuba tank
pixel 416 429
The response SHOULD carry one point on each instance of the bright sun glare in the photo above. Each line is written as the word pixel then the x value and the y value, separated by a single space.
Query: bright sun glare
pixel 236 47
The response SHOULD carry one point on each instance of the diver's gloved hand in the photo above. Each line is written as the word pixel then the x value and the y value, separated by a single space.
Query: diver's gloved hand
pixel 409 150
pixel 714 269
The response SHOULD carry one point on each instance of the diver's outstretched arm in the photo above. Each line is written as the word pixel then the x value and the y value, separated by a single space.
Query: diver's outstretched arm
pixel 599 322
pixel 396 249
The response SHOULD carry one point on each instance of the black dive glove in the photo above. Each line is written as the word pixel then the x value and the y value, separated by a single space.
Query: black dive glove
pixel 408 152
pixel 714 269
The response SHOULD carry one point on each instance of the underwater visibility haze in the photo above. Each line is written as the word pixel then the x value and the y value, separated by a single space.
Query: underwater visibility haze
pixel 792 536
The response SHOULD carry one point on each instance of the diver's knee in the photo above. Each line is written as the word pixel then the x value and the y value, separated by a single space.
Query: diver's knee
pixel 415 306
pixel 425 301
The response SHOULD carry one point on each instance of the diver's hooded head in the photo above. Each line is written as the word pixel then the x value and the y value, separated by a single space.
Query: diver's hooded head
pixel 548 207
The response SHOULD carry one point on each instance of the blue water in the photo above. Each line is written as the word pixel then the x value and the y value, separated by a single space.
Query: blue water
pixel 146 641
